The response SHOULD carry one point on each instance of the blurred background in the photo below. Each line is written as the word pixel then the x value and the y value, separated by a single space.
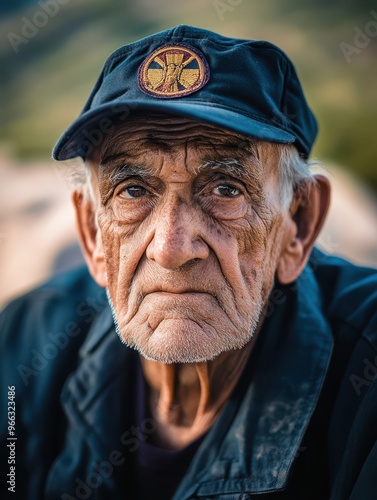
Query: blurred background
pixel 53 50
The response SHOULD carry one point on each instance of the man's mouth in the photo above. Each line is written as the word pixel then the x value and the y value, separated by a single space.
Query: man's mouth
pixel 184 297
pixel 176 290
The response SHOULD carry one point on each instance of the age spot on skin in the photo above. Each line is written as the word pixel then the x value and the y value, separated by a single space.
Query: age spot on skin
pixel 178 257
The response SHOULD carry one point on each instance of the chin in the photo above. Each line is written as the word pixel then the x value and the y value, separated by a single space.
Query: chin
pixel 184 341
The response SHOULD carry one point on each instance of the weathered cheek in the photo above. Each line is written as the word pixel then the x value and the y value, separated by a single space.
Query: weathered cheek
pixel 112 233
pixel 253 233
pixel 119 252
pixel 259 247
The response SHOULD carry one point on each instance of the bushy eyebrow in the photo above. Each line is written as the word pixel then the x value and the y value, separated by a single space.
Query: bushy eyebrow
pixel 116 161
pixel 237 169
pixel 232 166
pixel 124 171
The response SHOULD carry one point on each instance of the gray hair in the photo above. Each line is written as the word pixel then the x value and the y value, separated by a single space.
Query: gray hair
pixel 295 174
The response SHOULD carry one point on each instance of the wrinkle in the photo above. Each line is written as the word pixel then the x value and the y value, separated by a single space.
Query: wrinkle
pixel 161 134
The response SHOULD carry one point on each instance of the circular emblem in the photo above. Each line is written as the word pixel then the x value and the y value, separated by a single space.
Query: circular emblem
pixel 173 71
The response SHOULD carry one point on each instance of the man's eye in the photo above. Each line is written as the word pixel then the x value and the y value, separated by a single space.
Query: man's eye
pixel 134 192
pixel 227 191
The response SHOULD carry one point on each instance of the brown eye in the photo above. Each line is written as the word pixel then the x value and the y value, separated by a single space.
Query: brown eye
pixel 134 192
pixel 226 191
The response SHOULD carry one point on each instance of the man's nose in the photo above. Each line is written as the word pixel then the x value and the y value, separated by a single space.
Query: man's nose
pixel 177 239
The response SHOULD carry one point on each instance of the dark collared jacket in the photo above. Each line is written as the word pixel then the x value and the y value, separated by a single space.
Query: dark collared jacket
pixel 301 423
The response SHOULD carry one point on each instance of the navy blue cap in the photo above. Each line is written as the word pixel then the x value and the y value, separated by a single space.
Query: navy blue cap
pixel 246 86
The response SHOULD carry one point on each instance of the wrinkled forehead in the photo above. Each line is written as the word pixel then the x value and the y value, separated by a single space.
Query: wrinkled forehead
pixel 144 134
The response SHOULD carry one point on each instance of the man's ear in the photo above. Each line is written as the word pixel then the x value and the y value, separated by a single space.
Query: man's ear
pixel 307 214
pixel 89 236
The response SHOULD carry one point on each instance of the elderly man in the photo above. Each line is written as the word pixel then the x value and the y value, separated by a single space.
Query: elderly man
pixel 246 358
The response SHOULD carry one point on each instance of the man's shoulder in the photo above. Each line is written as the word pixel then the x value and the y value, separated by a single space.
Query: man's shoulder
pixel 349 292
pixel 41 334
pixel 49 322
pixel 349 295
pixel 72 284
pixel 53 298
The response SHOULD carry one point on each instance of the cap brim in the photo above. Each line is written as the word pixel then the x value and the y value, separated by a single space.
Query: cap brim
pixel 85 133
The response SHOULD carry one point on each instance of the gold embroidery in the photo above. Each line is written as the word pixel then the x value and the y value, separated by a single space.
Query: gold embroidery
pixel 164 73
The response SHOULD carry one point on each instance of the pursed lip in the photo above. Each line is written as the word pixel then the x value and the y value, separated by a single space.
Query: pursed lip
pixel 187 297
pixel 175 289
pixel 178 292
pixel 188 293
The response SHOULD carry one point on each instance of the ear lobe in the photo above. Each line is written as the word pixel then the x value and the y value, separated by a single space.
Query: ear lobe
pixel 307 214
pixel 89 237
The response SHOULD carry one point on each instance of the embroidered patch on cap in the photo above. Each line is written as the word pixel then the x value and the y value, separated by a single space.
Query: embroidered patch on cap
pixel 173 71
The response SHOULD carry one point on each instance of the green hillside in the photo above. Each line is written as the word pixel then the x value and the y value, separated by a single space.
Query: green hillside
pixel 44 85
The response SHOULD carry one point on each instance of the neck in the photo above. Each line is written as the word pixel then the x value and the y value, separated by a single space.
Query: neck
pixel 186 399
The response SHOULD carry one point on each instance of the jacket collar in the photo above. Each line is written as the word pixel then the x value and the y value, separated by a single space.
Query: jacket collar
pixel 98 397
pixel 253 445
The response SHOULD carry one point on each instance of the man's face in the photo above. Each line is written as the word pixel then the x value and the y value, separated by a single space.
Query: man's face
pixel 191 228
